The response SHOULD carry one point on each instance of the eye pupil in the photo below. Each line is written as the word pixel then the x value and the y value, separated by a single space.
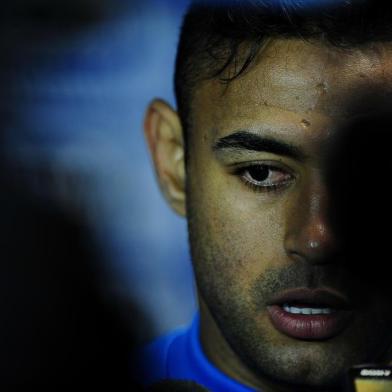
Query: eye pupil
pixel 259 173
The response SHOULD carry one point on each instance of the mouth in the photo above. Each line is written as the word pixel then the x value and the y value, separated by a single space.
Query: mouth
pixel 310 314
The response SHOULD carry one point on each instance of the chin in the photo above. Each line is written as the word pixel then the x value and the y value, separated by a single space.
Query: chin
pixel 302 373
pixel 295 363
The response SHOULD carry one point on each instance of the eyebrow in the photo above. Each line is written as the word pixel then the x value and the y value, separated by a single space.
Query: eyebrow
pixel 249 141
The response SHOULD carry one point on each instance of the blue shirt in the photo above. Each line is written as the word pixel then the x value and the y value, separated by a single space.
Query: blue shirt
pixel 179 356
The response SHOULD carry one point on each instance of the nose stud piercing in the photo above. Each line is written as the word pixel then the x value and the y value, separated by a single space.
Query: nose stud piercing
pixel 314 244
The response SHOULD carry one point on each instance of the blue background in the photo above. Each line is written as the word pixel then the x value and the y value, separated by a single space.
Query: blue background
pixel 75 107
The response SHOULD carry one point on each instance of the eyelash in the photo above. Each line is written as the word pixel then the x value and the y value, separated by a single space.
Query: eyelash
pixel 241 171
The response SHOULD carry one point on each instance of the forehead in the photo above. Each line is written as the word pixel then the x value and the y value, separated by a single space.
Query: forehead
pixel 294 84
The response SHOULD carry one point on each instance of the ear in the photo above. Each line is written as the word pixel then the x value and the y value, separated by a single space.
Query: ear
pixel 163 131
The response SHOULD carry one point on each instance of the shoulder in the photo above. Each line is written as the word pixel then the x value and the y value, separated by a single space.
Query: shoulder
pixel 150 363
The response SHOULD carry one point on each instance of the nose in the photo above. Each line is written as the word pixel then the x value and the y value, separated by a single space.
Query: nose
pixel 309 235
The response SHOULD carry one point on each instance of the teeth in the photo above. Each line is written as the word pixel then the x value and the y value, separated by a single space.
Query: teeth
pixel 303 310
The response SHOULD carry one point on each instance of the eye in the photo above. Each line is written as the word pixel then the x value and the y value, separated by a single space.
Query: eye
pixel 265 177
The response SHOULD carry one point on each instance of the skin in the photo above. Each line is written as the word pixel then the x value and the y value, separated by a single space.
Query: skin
pixel 250 243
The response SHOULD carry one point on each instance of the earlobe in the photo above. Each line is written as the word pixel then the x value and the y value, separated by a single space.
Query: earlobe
pixel 163 132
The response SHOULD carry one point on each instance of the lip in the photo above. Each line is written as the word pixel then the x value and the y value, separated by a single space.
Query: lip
pixel 326 296
pixel 310 327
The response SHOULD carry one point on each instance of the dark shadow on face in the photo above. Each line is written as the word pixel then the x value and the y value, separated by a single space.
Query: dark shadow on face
pixel 358 176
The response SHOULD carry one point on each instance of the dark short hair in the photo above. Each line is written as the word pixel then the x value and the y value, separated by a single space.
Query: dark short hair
pixel 221 39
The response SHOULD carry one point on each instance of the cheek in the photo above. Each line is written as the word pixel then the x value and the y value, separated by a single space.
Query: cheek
pixel 235 233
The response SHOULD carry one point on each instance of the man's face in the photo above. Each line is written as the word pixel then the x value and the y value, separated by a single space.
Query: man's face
pixel 266 259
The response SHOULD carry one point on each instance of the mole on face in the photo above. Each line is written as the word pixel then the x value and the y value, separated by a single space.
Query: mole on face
pixel 322 87
pixel 305 123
